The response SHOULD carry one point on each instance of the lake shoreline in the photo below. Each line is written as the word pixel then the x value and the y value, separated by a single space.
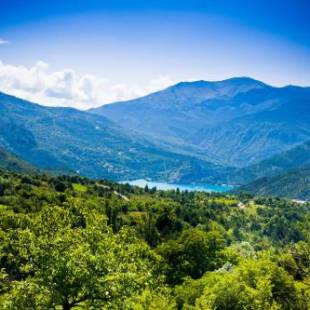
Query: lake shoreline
pixel 204 187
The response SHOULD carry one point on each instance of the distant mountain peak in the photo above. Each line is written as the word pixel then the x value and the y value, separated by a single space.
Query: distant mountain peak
pixel 200 90
pixel 243 80
pixel 198 83
pixel 211 89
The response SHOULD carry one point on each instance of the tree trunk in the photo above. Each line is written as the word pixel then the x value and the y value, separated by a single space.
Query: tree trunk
pixel 66 305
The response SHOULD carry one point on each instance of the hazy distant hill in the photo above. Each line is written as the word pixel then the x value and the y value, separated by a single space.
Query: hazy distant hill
pixel 10 162
pixel 291 184
pixel 277 164
pixel 66 139
pixel 286 174
pixel 238 122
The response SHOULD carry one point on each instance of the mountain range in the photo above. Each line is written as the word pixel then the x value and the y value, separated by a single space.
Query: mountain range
pixel 233 131
pixel 70 140
pixel 235 122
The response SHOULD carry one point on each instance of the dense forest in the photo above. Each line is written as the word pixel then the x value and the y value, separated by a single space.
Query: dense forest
pixel 73 243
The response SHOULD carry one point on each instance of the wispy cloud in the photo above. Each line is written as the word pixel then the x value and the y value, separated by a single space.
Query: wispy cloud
pixel 3 41
pixel 68 88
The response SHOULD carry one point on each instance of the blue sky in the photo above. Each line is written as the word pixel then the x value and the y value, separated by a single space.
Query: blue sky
pixel 85 53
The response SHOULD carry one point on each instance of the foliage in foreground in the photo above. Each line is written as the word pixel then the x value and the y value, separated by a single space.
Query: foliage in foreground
pixel 74 243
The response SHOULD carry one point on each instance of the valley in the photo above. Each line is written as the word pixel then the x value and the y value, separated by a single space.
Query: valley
pixel 154 155
pixel 233 132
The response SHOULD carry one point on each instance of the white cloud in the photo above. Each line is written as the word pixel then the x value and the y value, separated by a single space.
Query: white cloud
pixel 68 88
pixel 3 42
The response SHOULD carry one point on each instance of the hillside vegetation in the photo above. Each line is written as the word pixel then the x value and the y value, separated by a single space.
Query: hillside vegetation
pixel 72 243
pixel 294 158
pixel 10 162
pixel 293 184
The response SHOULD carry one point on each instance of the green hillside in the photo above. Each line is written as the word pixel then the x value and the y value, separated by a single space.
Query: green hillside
pixel 292 184
pixel 298 156
pixel 10 162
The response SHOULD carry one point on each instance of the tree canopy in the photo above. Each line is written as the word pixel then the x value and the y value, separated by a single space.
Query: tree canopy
pixel 72 243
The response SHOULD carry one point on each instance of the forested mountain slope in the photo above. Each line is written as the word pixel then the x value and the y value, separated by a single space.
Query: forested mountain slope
pixel 66 139
pixel 296 157
pixel 292 184
pixel 237 122
pixel 10 162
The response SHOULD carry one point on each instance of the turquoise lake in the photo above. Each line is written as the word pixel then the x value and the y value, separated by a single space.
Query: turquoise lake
pixel 220 188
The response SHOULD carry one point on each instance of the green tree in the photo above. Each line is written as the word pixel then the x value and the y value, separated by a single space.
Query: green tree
pixel 193 253
pixel 77 266
pixel 254 285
